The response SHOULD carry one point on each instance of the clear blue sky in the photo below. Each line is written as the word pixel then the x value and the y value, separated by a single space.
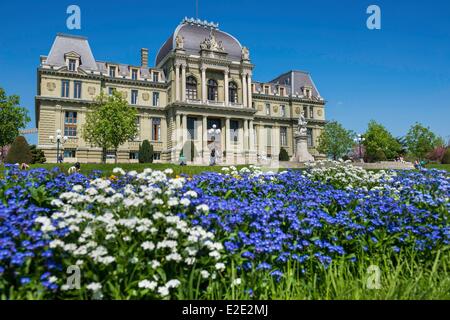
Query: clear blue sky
pixel 397 75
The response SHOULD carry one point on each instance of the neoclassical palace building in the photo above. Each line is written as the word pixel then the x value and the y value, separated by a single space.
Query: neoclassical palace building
pixel 199 96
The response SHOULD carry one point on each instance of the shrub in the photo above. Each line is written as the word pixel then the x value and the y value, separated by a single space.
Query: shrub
pixel 37 155
pixel 283 155
pixel 446 157
pixel 19 151
pixel 145 152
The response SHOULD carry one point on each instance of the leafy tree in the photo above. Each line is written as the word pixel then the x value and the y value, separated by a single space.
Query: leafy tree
pixel 12 118
pixel 284 156
pixel 145 152
pixel 446 157
pixel 335 141
pixel 110 123
pixel 421 140
pixel 37 155
pixel 379 143
pixel 19 151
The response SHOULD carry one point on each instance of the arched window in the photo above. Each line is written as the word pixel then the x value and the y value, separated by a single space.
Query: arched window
pixel 191 88
pixel 212 90
pixel 232 92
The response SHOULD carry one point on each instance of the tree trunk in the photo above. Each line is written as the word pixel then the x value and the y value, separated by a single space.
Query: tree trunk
pixel 115 156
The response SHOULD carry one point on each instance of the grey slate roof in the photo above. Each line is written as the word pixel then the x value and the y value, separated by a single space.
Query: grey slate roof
pixel 66 43
pixel 193 35
pixel 296 80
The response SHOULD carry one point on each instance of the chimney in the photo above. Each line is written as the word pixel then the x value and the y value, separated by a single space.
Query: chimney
pixel 144 57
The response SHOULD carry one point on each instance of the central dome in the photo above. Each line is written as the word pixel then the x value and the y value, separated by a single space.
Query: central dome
pixel 194 32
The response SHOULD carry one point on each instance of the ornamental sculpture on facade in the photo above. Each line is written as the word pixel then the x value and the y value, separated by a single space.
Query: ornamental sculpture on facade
pixel 211 43
pixel 301 128
pixel 245 53
pixel 179 42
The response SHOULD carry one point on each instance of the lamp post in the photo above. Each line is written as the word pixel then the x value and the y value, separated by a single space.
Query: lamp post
pixel 60 140
pixel 214 132
pixel 359 139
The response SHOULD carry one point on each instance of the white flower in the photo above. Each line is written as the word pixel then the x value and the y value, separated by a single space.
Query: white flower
pixel 154 264
pixel 220 266
pixel 204 274
pixel 203 208
pixel 146 284
pixel 77 188
pixel 236 282
pixel 118 171
pixel 168 171
pixel 185 202
pixel 173 256
pixel 94 286
pixel 191 194
pixel 172 202
pixel 163 291
pixel 147 245
pixel 52 279
pixel 173 283
pixel 157 202
pixel 132 173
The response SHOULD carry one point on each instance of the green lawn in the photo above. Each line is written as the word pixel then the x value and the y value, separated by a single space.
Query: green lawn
pixel 139 167
pixel 439 166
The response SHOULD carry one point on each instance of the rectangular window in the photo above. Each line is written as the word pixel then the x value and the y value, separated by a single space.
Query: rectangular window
pixel 269 135
pixel 305 111
pixel 268 109
pixel 65 88
pixel 156 155
pixel 282 92
pixel 283 110
pixel 234 130
pixel 112 72
pixel 192 128
pixel 134 74
pixel 266 90
pixel 156 129
pixel 111 91
pixel 134 155
pixel 110 155
pixel 311 112
pixel 309 135
pixel 134 96
pixel 155 76
pixel 138 131
pixel 70 124
pixel 72 64
pixel 70 153
pixel 283 136
pixel 156 99
pixel 77 89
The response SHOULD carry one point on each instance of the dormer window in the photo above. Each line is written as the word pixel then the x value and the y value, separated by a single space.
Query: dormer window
pixel 134 74
pixel 282 92
pixel 266 89
pixel 112 72
pixel 72 64
pixel 155 76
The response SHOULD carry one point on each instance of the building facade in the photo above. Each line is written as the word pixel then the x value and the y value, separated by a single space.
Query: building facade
pixel 199 96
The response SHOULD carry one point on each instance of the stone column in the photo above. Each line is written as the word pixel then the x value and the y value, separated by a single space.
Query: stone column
pixel 178 142
pixel 205 139
pixel 203 84
pixel 249 82
pixel 183 82
pixel 225 77
pixel 184 132
pixel 177 82
pixel 251 143
pixel 245 143
pixel 227 140
pixel 244 89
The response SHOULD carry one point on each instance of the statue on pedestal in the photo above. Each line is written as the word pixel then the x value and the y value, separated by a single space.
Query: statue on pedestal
pixel 301 141
pixel 179 42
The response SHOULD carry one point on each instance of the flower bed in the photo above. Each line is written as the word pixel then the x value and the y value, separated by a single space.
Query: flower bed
pixel 236 234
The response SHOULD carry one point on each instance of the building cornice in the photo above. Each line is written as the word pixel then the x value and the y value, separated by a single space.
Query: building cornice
pixel 287 99
pixel 193 106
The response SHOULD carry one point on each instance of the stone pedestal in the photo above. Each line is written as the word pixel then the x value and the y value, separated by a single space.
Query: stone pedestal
pixel 301 153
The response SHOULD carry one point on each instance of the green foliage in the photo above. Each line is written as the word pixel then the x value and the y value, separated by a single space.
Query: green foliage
pixel 446 157
pixel 335 141
pixel 379 141
pixel 110 123
pixel 284 156
pixel 37 155
pixel 12 118
pixel 421 140
pixel 19 152
pixel 145 152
